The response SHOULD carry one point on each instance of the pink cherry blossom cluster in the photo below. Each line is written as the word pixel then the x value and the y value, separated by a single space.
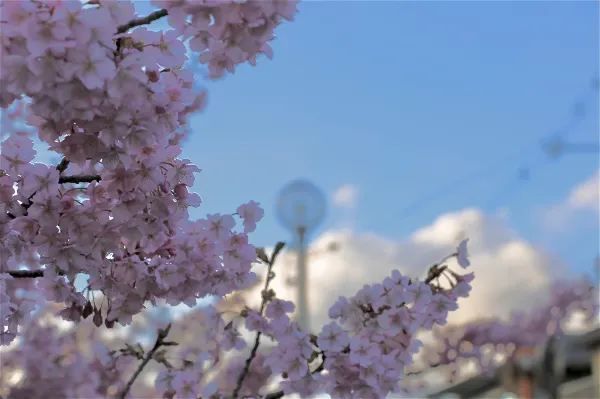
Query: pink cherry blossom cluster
pixel 228 32
pixel 114 104
pixel 490 341
pixel 193 377
pixel 217 346
pixel 112 99
pixel 364 350
pixel 374 339
pixel 15 305
pixel 361 353
pixel 46 355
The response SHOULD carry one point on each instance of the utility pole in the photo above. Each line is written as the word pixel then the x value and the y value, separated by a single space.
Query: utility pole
pixel 300 208
pixel 303 310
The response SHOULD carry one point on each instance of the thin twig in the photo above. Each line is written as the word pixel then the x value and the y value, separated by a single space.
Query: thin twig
pixel 417 372
pixel 79 179
pixel 143 21
pixel 265 298
pixel 160 341
pixel 274 395
pixel 435 272
pixel 244 373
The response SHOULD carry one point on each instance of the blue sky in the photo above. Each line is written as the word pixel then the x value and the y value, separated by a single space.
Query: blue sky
pixel 425 107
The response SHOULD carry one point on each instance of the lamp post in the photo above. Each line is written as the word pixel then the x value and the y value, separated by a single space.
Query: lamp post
pixel 300 208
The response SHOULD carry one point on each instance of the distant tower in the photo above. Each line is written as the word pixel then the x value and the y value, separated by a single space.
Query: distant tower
pixel 300 208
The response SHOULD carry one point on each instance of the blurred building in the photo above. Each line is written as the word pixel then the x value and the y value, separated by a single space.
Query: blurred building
pixel 563 368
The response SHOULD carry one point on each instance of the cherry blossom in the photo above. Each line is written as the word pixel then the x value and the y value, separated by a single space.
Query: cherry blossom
pixel 93 67
pixel 17 152
pixel 104 236
pixel 228 33
pixel 112 98
pixel 488 340
pixel 333 338
pixel 250 213
pixel 461 254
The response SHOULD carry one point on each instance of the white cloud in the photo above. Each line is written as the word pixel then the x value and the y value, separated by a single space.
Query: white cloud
pixel 585 195
pixel 583 199
pixel 345 196
pixel 510 272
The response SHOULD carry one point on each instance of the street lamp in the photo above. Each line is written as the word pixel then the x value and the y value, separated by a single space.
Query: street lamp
pixel 300 208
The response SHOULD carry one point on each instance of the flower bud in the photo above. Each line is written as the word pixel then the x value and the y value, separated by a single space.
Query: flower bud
pixel 180 191
pixel 153 76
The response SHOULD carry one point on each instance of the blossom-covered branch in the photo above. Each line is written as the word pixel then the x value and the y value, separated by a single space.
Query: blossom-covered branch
pixel 483 342
pixel 113 98
pixel 372 335
pixel 367 315
pixel 266 296
pixel 160 341
pixel 115 108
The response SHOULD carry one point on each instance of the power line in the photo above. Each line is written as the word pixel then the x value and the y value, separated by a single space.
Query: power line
pixel 579 112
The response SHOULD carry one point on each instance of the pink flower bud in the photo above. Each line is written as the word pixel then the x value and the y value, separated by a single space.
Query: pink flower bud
pixel 180 191
pixel 67 202
pixel 153 76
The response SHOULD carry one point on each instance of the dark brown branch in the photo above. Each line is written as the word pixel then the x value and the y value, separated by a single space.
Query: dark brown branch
pixel 265 298
pixel 62 166
pixel 435 272
pixel 25 273
pixel 79 179
pixel 321 366
pixel 274 395
pixel 30 273
pixel 143 21
pixel 249 360
pixel 417 372
pixel 160 341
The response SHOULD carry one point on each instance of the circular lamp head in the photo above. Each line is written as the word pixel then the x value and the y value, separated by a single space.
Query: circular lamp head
pixel 301 206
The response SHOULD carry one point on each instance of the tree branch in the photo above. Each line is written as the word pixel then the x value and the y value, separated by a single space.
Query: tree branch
pixel 61 167
pixel 25 273
pixel 417 372
pixel 244 373
pixel 160 341
pixel 64 163
pixel 143 21
pixel 435 272
pixel 265 298
pixel 79 179
pixel 274 395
